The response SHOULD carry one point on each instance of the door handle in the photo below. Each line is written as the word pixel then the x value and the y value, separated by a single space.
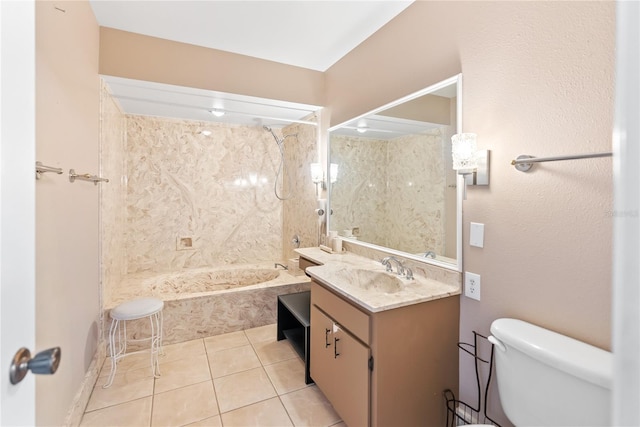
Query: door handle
pixel 335 348
pixel 44 363
pixel 326 338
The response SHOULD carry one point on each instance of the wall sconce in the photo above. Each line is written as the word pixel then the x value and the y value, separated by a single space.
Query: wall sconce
pixel 333 172
pixel 317 177
pixel 468 161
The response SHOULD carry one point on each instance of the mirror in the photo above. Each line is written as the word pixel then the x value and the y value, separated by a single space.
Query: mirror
pixel 395 188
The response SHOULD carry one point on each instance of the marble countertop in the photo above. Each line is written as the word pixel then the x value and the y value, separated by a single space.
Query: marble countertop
pixel 366 283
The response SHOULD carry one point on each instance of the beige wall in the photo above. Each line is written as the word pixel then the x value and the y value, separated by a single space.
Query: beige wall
pixel 537 79
pixel 67 248
pixel 140 57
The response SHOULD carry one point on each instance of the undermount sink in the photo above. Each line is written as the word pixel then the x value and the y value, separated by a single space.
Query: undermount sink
pixel 371 280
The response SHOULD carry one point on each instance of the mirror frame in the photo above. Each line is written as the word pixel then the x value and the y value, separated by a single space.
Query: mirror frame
pixel 457 79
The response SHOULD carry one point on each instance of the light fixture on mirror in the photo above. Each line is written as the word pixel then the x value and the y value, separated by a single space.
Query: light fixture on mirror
pixel 217 112
pixel 468 161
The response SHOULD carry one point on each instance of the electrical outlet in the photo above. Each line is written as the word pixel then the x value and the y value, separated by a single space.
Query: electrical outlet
pixel 472 285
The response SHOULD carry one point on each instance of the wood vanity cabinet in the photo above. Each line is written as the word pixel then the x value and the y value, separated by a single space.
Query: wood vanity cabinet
pixel 387 368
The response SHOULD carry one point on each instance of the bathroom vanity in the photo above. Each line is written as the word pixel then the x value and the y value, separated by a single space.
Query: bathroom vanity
pixel 382 354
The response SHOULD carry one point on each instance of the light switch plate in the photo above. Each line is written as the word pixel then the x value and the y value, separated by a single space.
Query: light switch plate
pixel 476 235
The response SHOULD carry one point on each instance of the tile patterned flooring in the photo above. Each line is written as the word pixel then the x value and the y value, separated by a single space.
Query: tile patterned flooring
pixel 244 378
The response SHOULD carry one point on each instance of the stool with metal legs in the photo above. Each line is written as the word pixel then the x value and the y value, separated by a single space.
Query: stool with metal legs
pixel 133 310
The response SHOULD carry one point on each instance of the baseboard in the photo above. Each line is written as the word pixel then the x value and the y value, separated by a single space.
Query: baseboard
pixel 80 401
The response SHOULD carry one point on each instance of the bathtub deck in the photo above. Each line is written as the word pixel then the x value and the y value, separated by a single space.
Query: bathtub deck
pixel 206 314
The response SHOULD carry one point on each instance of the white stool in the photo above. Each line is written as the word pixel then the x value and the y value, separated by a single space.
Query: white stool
pixel 132 310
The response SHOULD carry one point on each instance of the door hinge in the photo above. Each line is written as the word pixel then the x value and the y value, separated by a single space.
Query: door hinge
pixel 371 363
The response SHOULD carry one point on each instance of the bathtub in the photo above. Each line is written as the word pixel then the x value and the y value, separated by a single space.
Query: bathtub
pixel 202 302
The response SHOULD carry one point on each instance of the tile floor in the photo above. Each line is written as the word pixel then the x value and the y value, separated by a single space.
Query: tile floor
pixel 244 378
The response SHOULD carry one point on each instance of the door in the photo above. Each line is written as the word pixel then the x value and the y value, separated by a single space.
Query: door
pixel 17 204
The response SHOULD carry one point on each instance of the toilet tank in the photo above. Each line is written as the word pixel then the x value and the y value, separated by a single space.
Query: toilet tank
pixel 548 379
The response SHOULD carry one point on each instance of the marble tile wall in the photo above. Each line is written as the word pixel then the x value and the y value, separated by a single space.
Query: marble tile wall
pixel 416 190
pixel 299 217
pixel 112 196
pixel 169 182
pixel 359 196
pixel 392 191
pixel 214 193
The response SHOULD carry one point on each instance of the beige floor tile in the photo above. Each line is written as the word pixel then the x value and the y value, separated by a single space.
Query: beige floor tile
pixel 225 341
pixel 183 372
pixel 126 386
pixel 244 388
pixel 262 333
pixel 132 361
pixel 181 350
pixel 309 407
pixel 233 360
pixel 287 376
pixel 274 351
pixel 184 405
pixel 135 414
pixel 209 422
pixel 266 413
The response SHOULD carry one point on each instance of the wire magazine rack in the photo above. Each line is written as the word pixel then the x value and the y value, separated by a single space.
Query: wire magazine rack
pixel 461 413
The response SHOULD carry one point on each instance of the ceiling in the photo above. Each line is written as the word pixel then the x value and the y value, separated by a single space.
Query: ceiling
pixel 312 34
pixel 305 33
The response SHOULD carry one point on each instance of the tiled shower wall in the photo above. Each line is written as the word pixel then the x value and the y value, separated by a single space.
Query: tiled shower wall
pixel 299 217
pixel 392 191
pixel 180 199
pixel 112 195
pixel 196 200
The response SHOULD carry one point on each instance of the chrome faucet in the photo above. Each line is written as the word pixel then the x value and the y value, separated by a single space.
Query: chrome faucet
pixel 402 270
pixel 386 261
pixel 408 273
pixel 430 254
pixel 278 264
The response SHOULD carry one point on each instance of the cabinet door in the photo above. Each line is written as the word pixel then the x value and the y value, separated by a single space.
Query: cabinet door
pixel 340 367
pixel 322 363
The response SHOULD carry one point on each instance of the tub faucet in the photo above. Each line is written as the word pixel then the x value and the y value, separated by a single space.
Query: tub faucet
pixel 281 265
pixel 430 254
pixel 387 263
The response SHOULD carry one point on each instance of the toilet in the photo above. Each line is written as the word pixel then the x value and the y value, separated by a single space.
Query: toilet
pixel 547 379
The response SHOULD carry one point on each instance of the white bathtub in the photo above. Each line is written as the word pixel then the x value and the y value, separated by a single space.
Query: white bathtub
pixel 202 302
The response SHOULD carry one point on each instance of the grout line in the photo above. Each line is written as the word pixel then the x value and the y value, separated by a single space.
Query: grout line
pixel 213 383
